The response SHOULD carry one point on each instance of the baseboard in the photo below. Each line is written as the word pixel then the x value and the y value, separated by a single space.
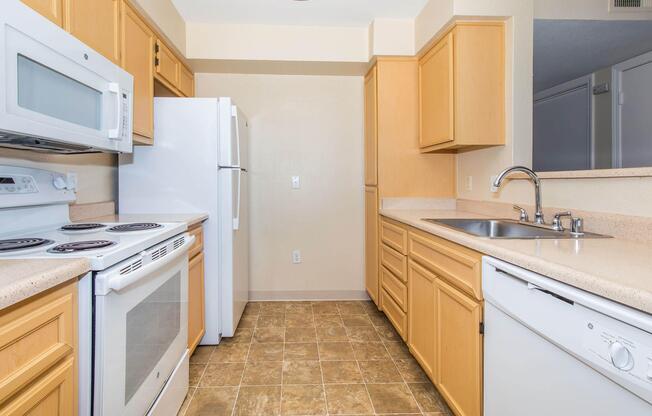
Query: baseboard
pixel 308 295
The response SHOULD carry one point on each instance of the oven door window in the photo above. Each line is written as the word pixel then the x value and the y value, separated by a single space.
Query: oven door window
pixel 48 92
pixel 152 326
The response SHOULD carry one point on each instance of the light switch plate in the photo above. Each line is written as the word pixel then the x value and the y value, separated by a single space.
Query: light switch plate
pixel 296 182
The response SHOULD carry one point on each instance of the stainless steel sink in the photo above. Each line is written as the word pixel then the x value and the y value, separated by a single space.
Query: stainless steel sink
pixel 506 229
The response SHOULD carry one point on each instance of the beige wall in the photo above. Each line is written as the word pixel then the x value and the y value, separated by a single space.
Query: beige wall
pixel 167 19
pixel 96 173
pixel 309 126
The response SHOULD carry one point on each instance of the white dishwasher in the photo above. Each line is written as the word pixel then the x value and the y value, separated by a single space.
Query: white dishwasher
pixel 552 349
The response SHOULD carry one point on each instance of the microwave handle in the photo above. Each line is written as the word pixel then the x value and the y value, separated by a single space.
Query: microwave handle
pixel 114 88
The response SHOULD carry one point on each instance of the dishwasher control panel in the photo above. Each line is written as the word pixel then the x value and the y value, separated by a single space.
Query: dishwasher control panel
pixel 619 350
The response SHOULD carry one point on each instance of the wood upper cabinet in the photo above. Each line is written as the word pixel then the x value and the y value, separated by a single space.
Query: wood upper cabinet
pixel 458 349
pixel 97 24
pixel 371 243
pixel 393 160
pixel 167 65
pixel 462 89
pixel 371 128
pixel 421 316
pixel 52 9
pixel 436 97
pixel 186 82
pixel 137 58
pixel 38 354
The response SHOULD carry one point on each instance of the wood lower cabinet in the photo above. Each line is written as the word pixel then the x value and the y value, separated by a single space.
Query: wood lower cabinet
pixel 97 24
pixel 421 316
pixel 458 349
pixel 38 354
pixel 371 243
pixel 52 9
pixel 196 314
pixel 137 58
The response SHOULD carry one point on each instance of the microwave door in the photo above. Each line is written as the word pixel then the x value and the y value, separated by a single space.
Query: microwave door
pixel 58 89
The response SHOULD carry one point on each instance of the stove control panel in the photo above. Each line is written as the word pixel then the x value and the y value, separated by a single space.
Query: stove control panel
pixel 17 184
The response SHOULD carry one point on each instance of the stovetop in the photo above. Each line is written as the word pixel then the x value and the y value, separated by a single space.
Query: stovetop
pixel 102 244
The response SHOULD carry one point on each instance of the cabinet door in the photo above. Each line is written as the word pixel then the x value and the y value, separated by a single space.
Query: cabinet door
pixel 167 65
pixel 52 9
pixel 436 88
pixel 371 242
pixel 371 128
pixel 421 316
pixel 97 24
pixel 459 350
pixel 186 82
pixel 137 58
pixel 196 319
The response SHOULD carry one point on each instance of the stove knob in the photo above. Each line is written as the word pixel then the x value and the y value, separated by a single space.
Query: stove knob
pixel 621 358
pixel 59 183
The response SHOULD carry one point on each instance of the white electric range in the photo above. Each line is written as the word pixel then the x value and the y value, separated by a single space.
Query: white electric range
pixel 133 357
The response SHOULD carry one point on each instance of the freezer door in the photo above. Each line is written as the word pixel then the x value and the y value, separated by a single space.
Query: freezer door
pixel 234 136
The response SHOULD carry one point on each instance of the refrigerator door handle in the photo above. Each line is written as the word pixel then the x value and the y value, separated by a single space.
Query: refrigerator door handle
pixel 236 220
pixel 234 112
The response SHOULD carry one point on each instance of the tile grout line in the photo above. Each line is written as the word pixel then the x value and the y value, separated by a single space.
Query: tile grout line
pixel 237 394
pixel 192 396
pixel 321 369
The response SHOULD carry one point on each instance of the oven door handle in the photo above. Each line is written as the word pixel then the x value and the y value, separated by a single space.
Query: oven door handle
pixel 119 283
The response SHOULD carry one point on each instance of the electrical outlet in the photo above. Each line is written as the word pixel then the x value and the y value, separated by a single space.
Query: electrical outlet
pixel 71 181
pixel 296 256
pixel 469 183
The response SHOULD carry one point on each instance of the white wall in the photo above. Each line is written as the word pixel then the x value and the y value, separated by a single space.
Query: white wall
pixel 97 173
pixel 309 126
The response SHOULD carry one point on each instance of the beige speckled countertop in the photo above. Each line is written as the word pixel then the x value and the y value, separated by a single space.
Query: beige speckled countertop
pixel 616 269
pixel 21 279
pixel 189 219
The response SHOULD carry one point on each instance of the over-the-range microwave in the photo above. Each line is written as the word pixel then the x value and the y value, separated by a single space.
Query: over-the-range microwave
pixel 56 93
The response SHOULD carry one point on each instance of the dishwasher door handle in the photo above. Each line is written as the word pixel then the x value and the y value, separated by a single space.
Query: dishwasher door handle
pixel 532 286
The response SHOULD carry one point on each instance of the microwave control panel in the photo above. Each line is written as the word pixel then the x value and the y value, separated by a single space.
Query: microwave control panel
pixel 17 184
pixel 125 128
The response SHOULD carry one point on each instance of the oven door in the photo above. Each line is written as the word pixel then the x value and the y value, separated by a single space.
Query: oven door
pixel 57 90
pixel 141 332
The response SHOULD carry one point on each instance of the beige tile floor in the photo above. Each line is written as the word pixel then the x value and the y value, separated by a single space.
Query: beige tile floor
pixel 310 358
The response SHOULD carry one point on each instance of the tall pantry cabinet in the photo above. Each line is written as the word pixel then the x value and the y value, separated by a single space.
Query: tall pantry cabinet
pixel 394 165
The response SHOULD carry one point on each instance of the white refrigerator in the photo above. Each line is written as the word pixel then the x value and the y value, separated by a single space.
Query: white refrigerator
pixel 198 163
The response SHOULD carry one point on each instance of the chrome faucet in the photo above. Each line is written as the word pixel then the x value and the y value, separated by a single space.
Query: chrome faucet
pixel 538 215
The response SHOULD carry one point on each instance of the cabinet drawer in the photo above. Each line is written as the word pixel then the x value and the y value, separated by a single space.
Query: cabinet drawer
pixel 394 287
pixel 458 265
pixel 394 235
pixel 396 316
pixel 51 394
pixel 394 261
pixel 198 246
pixel 34 336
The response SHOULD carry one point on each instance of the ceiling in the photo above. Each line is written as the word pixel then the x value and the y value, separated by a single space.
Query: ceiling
pixel 292 12
pixel 568 49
